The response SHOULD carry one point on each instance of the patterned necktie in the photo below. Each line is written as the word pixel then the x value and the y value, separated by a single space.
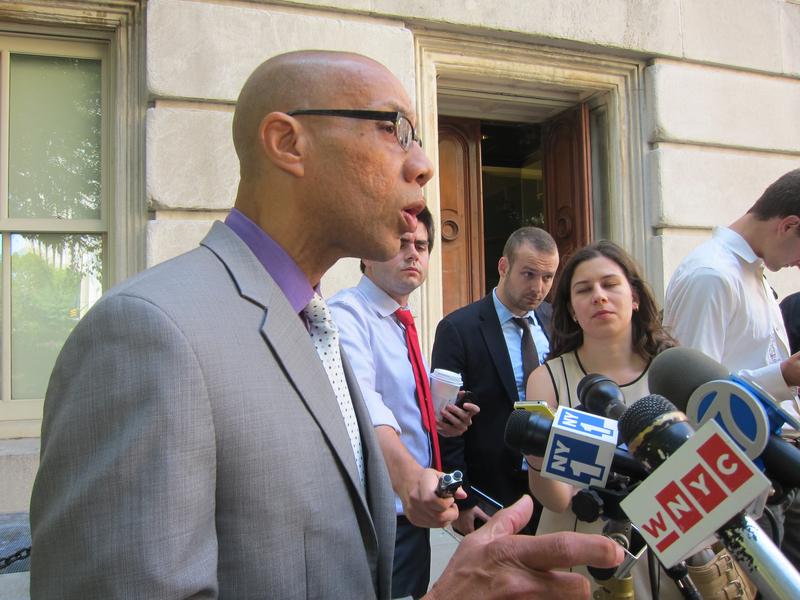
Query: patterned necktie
pixel 325 337
pixel 530 356
pixel 421 379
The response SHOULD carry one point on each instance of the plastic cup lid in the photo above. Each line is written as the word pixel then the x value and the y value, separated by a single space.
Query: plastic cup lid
pixel 447 376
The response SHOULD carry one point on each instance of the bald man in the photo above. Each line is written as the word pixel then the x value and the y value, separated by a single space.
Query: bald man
pixel 203 434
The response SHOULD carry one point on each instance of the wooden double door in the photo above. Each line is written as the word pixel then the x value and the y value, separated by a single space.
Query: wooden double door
pixel 473 227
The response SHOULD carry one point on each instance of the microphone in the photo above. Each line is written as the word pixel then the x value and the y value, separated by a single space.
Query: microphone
pixel 676 506
pixel 529 433
pixel 680 371
pixel 601 396
pixel 704 390
pixel 654 428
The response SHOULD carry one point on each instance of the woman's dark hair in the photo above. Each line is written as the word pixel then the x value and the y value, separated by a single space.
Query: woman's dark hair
pixel 648 336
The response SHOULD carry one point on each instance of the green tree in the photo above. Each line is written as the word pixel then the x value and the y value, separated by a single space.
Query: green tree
pixel 45 307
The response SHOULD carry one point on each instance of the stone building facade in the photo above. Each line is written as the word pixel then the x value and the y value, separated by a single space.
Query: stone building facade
pixel 694 104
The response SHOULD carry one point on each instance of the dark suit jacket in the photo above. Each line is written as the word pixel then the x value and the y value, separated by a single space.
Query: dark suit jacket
pixel 790 307
pixel 192 447
pixel 470 341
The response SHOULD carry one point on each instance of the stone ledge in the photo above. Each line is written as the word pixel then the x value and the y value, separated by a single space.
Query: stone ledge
pixel 714 106
pixel 724 183
pixel 207 50
pixel 191 161
pixel 19 460
pixel 15 586
pixel 168 238
pixel 744 33
pixel 790 23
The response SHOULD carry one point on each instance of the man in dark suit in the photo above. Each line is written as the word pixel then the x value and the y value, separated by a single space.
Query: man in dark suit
pixel 485 342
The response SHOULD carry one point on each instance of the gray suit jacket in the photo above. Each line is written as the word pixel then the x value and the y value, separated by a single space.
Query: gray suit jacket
pixel 193 447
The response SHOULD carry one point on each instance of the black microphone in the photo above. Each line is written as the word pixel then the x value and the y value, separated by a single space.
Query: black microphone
pixel 654 428
pixel 677 372
pixel 528 433
pixel 601 396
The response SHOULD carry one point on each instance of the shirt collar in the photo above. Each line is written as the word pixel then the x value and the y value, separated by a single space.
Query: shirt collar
pixel 506 315
pixel 384 304
pixel 738 245
pixel 280 266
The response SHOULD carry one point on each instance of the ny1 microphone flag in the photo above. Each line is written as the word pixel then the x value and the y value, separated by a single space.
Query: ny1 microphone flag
pixel 681 504
pixel 580 448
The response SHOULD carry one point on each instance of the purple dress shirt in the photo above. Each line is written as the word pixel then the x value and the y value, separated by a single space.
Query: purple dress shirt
pixel 280 266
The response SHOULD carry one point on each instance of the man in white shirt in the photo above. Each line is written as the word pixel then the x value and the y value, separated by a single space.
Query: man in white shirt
pixel 719 302
pixel 370 321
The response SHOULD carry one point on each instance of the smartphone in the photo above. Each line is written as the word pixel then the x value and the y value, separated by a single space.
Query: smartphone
pixel 486 503
pixel 536 406
pixel 466 397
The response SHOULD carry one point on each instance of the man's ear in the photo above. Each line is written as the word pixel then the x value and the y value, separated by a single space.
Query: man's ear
pixel 283 142
pixel 367 266
pixel 502 266
pixel 789 223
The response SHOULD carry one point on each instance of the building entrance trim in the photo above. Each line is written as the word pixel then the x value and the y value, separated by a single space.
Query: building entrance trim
pixel 536 75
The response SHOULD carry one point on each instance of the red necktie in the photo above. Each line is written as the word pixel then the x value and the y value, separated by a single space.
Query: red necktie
pixel 421 379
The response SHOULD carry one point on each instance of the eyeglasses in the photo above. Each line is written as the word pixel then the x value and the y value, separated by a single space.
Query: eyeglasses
pixel 403 129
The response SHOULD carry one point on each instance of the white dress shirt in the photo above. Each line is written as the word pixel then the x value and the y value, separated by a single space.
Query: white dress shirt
pixel 719 302
pixel 375 344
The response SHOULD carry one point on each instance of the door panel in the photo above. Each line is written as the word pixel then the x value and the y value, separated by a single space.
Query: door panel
pixel 461 212
pixel 568 195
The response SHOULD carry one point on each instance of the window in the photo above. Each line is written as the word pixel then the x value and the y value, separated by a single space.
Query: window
pixel 54 205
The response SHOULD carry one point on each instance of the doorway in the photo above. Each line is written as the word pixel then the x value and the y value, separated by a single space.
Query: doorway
pixel 494 80
pixel 497 176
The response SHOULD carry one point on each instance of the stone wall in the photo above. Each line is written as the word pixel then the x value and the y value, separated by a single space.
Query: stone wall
pixel 199 55
pixel 720 106
pixel 717 138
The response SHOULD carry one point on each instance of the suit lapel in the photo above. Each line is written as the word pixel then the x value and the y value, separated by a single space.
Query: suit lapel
pixel 292 347
pixel 285 334
pixel 544 315
pixel 492 334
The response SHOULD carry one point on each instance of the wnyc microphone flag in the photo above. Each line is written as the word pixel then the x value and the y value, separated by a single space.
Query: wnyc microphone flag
pixel 682 503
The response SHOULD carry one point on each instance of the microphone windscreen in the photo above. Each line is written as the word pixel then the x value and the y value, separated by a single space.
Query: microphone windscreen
pixel 641 414
pixel 515 436
pixel 677 372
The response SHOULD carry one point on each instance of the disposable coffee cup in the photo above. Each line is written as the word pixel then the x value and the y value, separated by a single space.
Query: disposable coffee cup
pixel 444 388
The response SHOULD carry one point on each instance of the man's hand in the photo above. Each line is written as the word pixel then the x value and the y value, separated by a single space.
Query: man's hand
pixel 453 420
pixel 416 486
pixel 465 523
pixel 423 507
pixel 492 563
pixel 790 369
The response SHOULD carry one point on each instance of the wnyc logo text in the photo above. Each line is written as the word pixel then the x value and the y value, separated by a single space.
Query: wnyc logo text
pixel 700 487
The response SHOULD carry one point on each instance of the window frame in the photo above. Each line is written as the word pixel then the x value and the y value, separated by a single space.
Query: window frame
pixel 11 409
pixel 117 29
